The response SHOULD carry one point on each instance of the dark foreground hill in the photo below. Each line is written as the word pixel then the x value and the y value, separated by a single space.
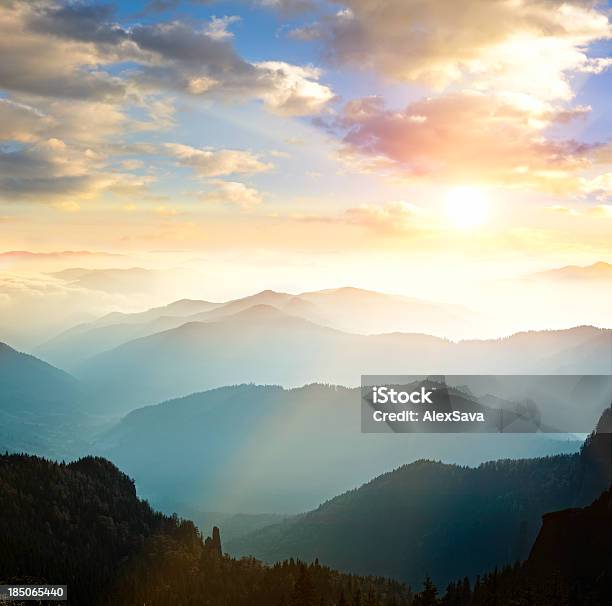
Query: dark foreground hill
pixel 570 565
pixel 443 520
pixel 82 525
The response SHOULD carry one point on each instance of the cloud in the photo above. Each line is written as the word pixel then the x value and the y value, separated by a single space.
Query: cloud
pixel 72 74
pixel 466 137
pixel 599 187
pixel 200 63
pixel 291 89
pixel 232 193
pixel 76 51
pixel 207 162
pixel 598 211
pixel 53 171
pixel 84 122
pixel 21 122
pixel 161 6
pixel 24 292
pixel 563 210
pixel 528 46
pixel 217 27
pixel 78 21
pixel 603 210
pixel 289 7
pixel 48 64
pixel 396 217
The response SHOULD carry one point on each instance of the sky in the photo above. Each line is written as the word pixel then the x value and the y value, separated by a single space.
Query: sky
pixel 295 144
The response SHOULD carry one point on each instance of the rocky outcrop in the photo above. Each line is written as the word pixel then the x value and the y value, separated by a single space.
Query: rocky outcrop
pixel 576 544
pixel 213 544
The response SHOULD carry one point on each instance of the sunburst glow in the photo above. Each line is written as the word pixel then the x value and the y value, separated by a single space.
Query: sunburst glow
pixel 466 207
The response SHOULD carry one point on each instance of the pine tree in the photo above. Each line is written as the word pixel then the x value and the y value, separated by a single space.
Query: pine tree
pixel 428 596
pixel 303 591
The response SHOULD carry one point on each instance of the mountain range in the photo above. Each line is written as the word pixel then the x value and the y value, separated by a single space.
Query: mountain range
pixel 244 427
pixel 317 430
pixel 347 309
pixel 82 524
pixel 446 521
pixel 600 271
pixel 268 346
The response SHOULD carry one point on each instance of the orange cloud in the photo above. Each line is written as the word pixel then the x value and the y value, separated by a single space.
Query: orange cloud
pixel 467 137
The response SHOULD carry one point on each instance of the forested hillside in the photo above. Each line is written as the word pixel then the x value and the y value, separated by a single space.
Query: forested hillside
pixel 82 525
pixel 570 565
pixel 447 521
pixel 261 439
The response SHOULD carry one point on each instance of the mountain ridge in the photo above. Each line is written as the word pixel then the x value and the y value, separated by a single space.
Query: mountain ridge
pixel 367 312
pixel 429 517
pixel 266 345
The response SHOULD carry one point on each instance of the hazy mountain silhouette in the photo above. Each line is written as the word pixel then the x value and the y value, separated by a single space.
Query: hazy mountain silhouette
pixel 369 312
pixel 347 309
pixel 264 345
pixel 40 406
pixel 443 520
pixel 255 449
pixel 599 271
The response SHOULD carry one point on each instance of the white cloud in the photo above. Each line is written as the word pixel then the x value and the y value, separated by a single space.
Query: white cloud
pixel 600 187
pixel 217 28
pixel 291 89
pixel 528 46
pixel 603 210
pixel 232 193
pixel 208 162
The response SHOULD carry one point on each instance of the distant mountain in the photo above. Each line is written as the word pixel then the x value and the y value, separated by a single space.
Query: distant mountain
pixel 279 450
pixel 346 309
pixel 40 406
pixel 443 520
pixel 85 340
pixel 600 271
pixel 264 345
pixel 82 525
pixel 369 312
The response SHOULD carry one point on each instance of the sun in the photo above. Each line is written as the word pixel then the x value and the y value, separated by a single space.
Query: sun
pixel 466 207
